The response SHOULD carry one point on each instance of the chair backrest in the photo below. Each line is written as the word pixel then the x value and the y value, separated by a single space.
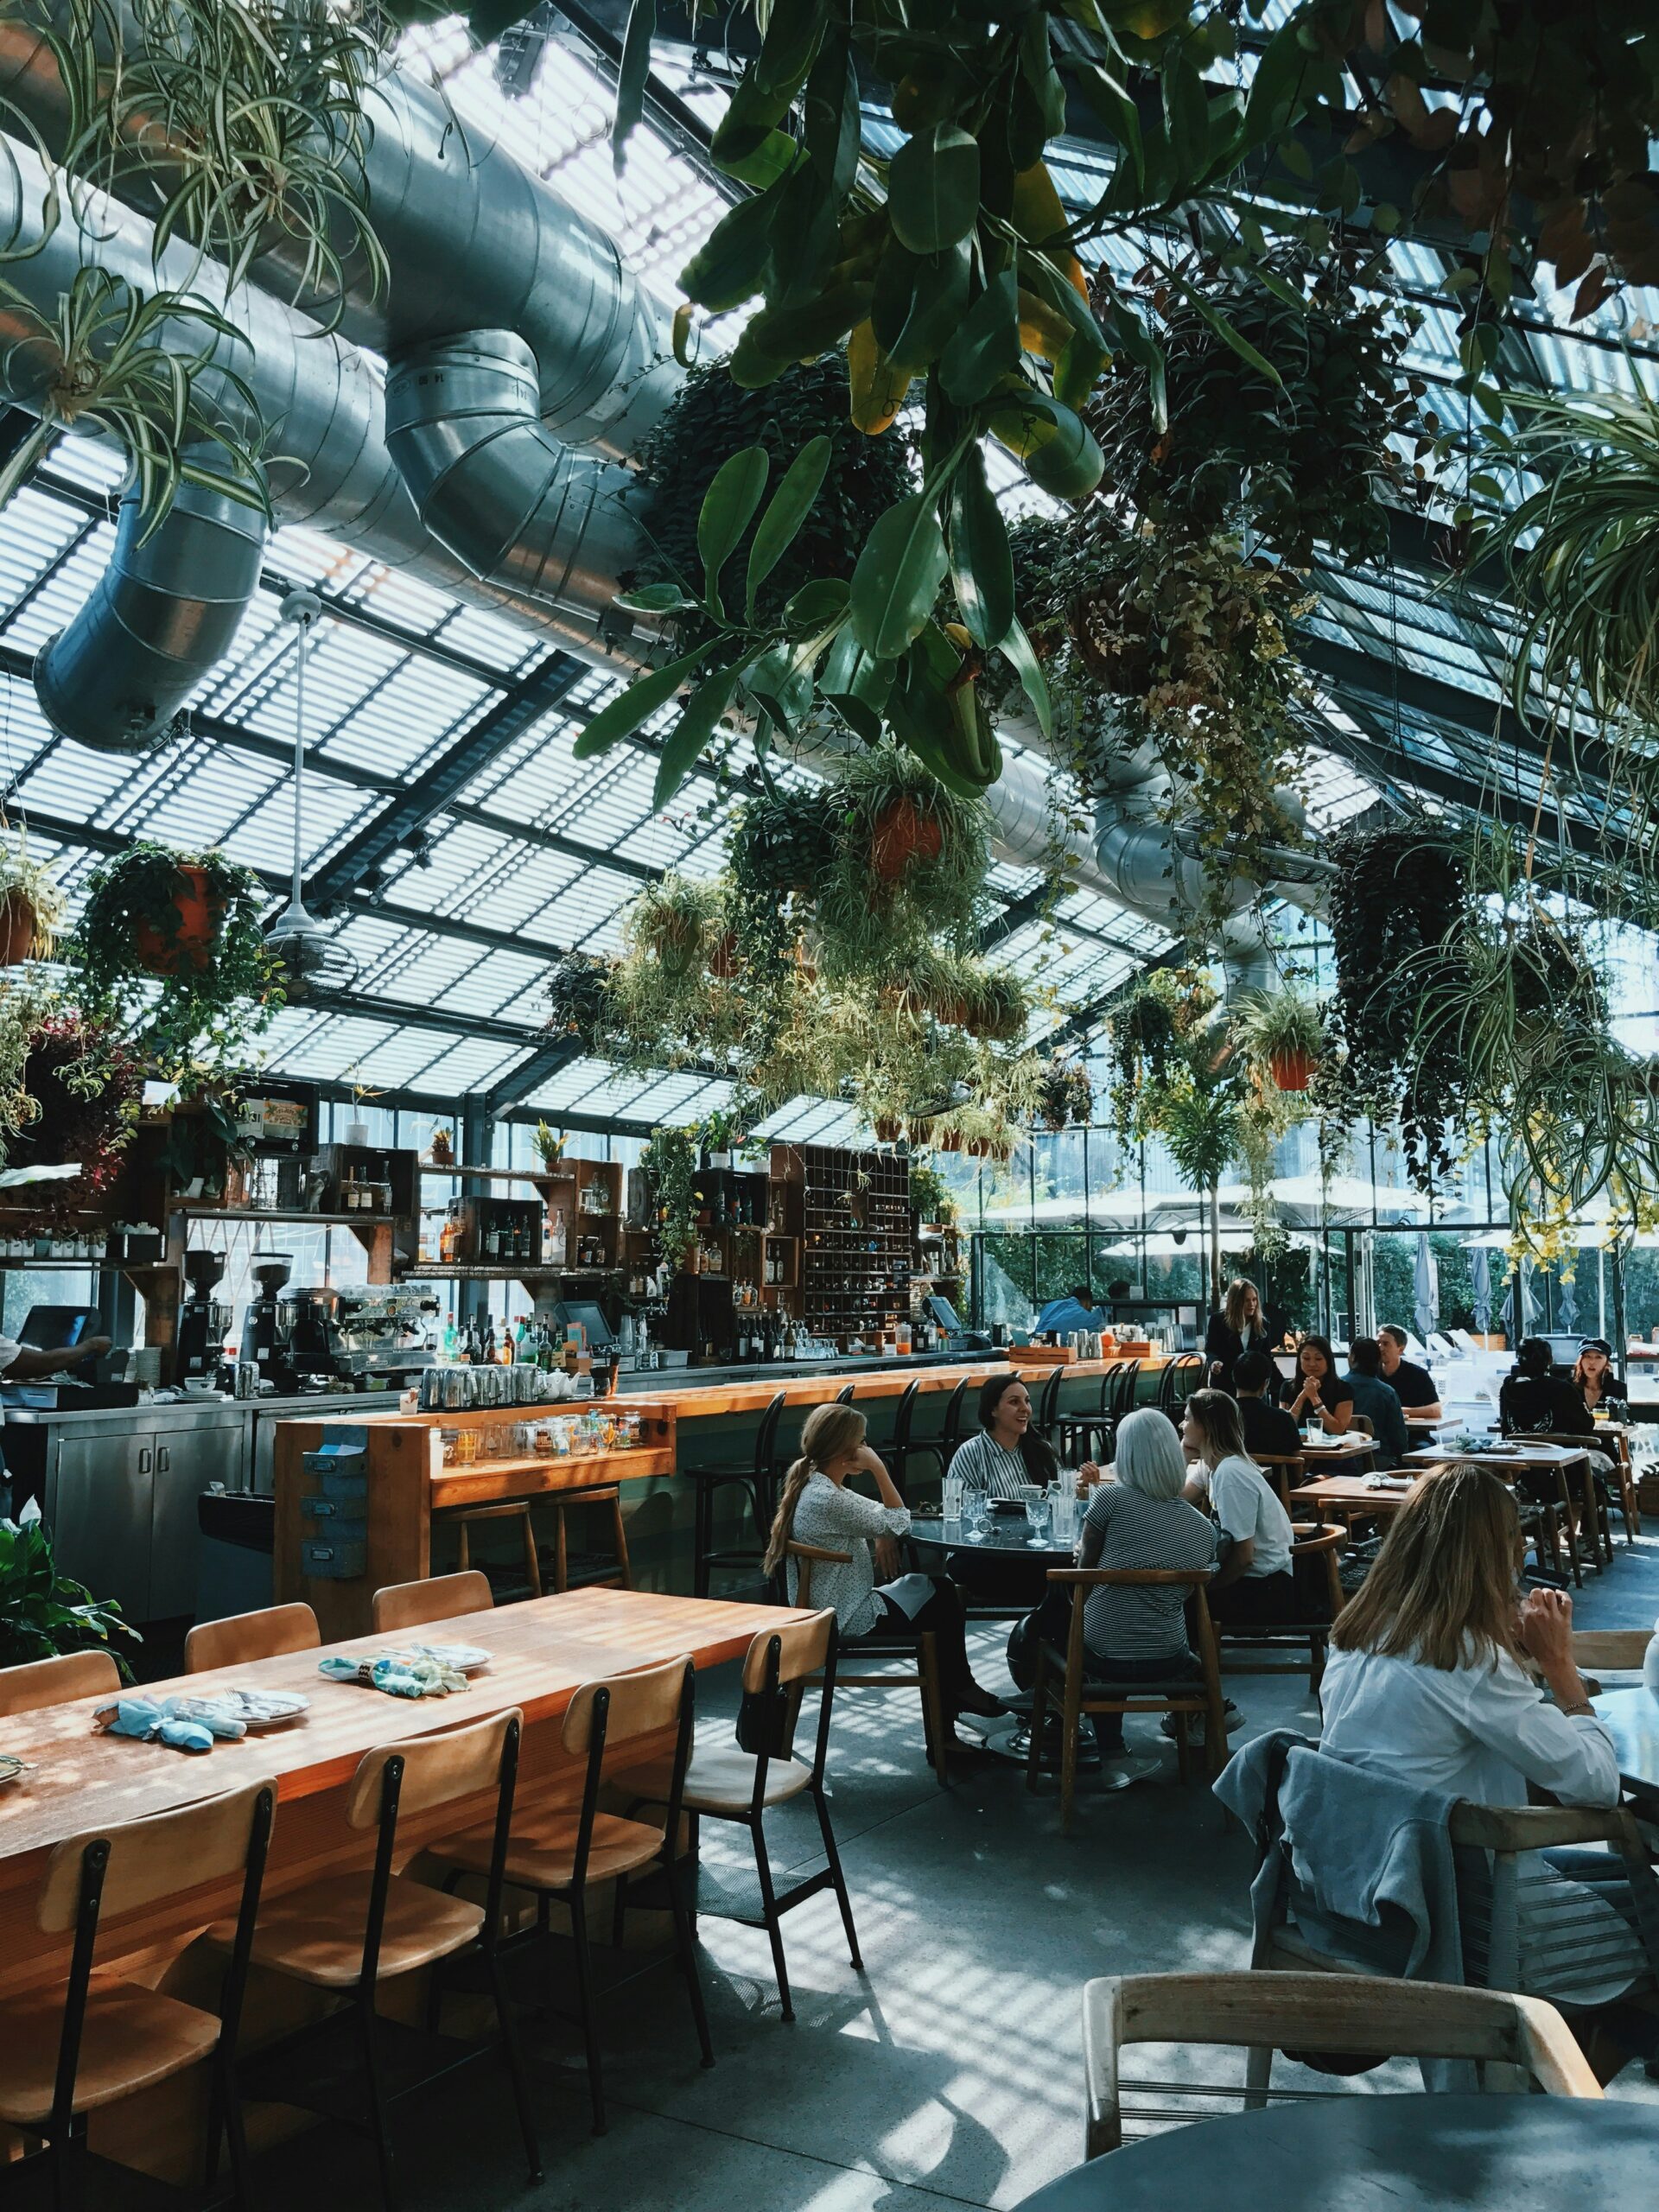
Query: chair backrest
pixel 1283 1471
pixel 412 1604
pixel 1127 1381
pixel 155 1857
pixel 904 1413
pixel 638 1704
pixel 1048 1401
pixel 1357 2013
pixel 802 1647
pixel 1314 1546
pixel 765 1437
pixel 436 1770
pixel 264 1635
pixel 39 1682
pixel 803 1556
pixel 950 1434
pixel 1364 1423
pixel 844 1395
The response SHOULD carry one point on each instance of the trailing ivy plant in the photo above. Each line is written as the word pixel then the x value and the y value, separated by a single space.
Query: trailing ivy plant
pixel 671 1163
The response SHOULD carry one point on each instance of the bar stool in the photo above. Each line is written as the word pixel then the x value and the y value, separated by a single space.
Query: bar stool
pixel 556 1855
pixel 1190 1364
pixel 951 1432
pixel 902 1447
pixel 264 1635
pixel 464 1518
pixel 39 1682
pixel 1078 1432
pixel 1045 1416
pixel 615 1573
pixel 69 2051
pixel 412 1604
pixel 350 1934
pixel 758 1481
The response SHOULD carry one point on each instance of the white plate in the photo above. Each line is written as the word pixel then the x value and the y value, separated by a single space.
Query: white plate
pixel 11 1768
pixel 465 1658
pixel 258 1709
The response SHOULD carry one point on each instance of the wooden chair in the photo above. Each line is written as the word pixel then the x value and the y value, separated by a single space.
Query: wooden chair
pixel 614 1573
pixel 555 1854
pixel 1199 1694
pixel 757 1480
pixel 924 1645
pixel 1586 1507
pixel 264 1635
pixel 403 1605
pixel 1350 2013
pixel 740 1786
pixel 1286 1471
pixel 347 1935
pixel 1178 1379
pixel 69 2051
pixel 1320 1594
pixel 39 1682
pixel 465 1518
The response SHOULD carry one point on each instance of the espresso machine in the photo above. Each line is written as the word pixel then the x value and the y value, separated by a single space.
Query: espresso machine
pixel 266 1323
pixel 204 1320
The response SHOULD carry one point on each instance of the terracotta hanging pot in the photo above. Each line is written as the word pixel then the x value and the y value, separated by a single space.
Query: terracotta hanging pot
pixel 722 961
pixel 1291 1070
pixel 20 929
pixel 978 1148
pixel 888 1130
pixel 947 1140
pixel 903 835
pixel 200 916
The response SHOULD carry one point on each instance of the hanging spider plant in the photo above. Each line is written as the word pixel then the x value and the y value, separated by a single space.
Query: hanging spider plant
pixel 111 359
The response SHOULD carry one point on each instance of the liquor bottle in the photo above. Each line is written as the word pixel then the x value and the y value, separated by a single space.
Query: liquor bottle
pixel 557 1243
pixel 451 1342
pixel 523 1350
pixel 504 1351
pixel 488 1354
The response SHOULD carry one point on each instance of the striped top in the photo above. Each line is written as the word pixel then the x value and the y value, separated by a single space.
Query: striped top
pixel 1134 1530
pixel 983 1465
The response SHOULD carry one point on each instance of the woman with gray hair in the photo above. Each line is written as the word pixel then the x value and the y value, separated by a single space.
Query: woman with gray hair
pixel 1134 1634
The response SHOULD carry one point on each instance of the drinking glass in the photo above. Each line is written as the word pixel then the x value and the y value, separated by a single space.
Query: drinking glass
pixel 973 1514
pixel 1037 1517
pixel 953 1497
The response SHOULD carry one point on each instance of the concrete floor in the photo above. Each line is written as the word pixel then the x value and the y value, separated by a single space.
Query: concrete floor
pixel 948 2072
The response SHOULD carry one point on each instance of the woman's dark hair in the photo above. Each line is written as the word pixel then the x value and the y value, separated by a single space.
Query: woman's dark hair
pixel 1364 1355
pixel 1041 1465
pixel 1536 1357
pixel 1322 1346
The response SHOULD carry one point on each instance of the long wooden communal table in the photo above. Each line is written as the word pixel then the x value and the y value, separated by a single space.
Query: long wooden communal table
pixel 691 1400
pixel 80 1780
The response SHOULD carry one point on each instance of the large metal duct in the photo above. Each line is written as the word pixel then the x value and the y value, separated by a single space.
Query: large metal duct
pixel 474 241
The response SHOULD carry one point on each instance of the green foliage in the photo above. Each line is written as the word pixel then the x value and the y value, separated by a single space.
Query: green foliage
pixel 1270 1025
pixel 930 1195
pixel 671 1163
pixel 25 884
pixel 904 867
pixel 1301 456
pixel 85 1087
pixel 578 999
pixel 43 1613
pixel 194 1025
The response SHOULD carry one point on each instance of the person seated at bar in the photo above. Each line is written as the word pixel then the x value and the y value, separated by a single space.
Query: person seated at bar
pixel 1076 1310
pixel 817 1508
pixel 1426 1680
pixel 1006 1456
pixel 1601 1389
pixel 1253 1586
pixel 1243 1325
pixel 1414 1386
pixel 1316 1391
pixel 1535 1400
pixel 1266 1425
pixel 1374 1400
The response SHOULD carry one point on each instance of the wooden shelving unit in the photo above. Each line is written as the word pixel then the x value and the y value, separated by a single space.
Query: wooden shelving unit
pixel 856 1241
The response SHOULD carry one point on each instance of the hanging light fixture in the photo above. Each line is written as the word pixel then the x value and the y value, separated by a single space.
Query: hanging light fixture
pixel 312 959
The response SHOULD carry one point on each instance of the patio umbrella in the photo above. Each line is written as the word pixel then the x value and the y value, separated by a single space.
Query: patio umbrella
pixel 1480 1276
pixel 1566 1306
pixel 1426 1304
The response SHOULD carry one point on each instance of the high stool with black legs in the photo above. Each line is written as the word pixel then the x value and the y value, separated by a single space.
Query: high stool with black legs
pixel 1045 1413
pixel 1184 1370
pixel 759 1483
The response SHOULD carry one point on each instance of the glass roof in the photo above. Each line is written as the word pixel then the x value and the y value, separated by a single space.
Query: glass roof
pixel 530 851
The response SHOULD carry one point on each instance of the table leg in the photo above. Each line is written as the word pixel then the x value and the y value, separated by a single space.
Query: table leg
pixel 1591 1519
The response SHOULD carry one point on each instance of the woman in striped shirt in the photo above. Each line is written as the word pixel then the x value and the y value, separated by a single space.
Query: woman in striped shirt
pixel 1006 1456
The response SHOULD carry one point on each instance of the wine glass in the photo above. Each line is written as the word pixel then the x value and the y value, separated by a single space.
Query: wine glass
pixel 1037 1513
pixel 973 1513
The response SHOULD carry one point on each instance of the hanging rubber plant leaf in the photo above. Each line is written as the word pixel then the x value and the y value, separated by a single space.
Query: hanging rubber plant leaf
pixel 982 566
pixel 733 261
pixel 1016 647
pixel 922 717
pixel 727 510
pixel 939 302
pixel 894 294
pixel 985 346
pixel 1186 117
pixel 694 729
pixel 848 671
pixel 624 714
pixel 1224 330
pixel 876 386
pixel 1055 444
pixel 768 86
pixel 898 576
pixel 655 599
pixel 633 74
pixel 933 189
pixel 798 331
pixel 1039 97
pixel 791 504
pixel 1120 114
pixel 834 128
pixel 776 153
pixel 863 721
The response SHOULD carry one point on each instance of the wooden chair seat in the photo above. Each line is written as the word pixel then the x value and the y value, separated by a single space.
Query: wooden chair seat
pixel 316 1934
pixel 720 1782
pixel 542 1855
pixel 132 2039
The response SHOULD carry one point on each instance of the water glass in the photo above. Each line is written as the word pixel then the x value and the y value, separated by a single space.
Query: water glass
pixel 953 1497
pixel 974 1515
pixel 1063 1503
pixel 1037 1517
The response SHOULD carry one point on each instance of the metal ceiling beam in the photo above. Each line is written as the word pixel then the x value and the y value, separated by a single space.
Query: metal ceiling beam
pixel 547 1057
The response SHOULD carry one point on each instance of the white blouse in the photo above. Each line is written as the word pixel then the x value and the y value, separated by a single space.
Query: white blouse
pixel 836 1519
pixel 983 1465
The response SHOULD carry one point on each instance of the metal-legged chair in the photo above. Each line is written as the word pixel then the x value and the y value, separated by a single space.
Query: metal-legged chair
pixel 950 1433
pixel 1044 1415
pixel 902 1447
pixel 757 1481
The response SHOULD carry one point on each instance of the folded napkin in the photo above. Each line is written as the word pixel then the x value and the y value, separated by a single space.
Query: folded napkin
pixel 399 1673
pixel 186 1724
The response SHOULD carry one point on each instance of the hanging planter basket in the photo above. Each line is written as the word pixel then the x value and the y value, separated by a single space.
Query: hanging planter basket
pixel 888 1130
pixel 903 835
pixel 947 1140
pixel 20 929
pixel 722 960
pixel 1292 1070
pixel 156 952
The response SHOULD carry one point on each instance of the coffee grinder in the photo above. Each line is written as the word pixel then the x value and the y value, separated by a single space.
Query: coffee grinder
pixel 265 1325
pixel 204 1320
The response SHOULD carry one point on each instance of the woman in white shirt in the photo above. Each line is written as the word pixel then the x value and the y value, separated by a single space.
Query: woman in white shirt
pixel 1254 1587
pixel 816 1507
pixel 1426 1681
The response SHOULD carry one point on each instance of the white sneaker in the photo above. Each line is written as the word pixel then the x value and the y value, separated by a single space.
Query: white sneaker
pixel 1231 1718
pixel 1124 1772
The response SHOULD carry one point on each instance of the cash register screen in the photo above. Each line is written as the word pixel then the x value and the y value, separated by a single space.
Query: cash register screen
pixel 55 1328
pixel 942 1311
pixel 595 1328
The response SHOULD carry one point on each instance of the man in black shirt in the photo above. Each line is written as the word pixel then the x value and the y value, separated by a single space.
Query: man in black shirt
pixel 1414 1386
pixel 1267 1427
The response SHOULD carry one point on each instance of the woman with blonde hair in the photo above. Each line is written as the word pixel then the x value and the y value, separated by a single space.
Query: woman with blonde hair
pixel 1427 1680
pixel 1241 1326
pixel 816 1507
pixel 1254 1587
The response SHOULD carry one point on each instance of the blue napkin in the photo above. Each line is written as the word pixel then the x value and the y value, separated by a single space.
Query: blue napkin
pixel 161 1721
pixel 399 1675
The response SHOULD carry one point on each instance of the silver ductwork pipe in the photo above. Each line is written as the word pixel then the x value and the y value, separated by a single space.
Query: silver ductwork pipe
pixel 474 240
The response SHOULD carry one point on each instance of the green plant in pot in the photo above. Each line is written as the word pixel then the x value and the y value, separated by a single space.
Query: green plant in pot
pixel 578 998
pixel 31 906
pixel 929 1195
pixel 43 1613
pixel 679 923
pixel 86 1086
pixel 905 866
pixel 192 922
pixel 1065 1096
pixel 1282 1034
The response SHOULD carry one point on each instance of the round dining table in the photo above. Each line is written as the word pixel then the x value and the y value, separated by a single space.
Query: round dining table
pixel 1005 1533
pixel 1380 2154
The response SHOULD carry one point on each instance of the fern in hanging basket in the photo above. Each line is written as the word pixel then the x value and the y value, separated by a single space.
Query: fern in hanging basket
pixel 1283 1035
